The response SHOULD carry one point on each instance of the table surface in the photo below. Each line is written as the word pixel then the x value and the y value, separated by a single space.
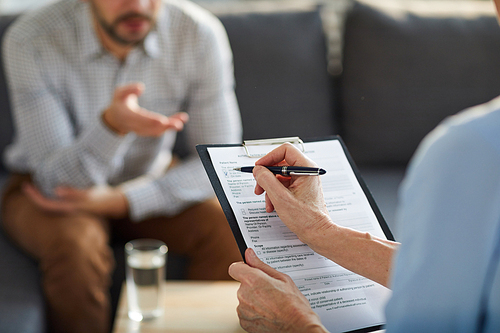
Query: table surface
pixel 190 307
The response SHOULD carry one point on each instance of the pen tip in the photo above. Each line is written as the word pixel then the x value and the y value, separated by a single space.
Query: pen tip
pixel 322 171
pixel 237 169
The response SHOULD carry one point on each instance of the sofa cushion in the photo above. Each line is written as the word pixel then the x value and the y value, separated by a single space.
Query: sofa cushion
pixel 280 65
pixel 6 127
pixel 409 64
pixel 383 183
pixel 22 308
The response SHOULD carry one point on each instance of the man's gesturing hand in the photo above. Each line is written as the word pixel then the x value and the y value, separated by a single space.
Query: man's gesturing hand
pixel 270 301
pixel 124 115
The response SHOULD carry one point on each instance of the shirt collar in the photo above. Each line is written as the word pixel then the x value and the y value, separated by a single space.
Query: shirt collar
pixel 90 45
pixel 151 45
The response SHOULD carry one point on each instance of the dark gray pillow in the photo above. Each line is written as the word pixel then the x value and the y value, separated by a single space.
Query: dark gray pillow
pixel 405 70
pixel 6 126
pixel 282 84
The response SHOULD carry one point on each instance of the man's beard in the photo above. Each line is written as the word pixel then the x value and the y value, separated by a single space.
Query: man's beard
pixel 111 29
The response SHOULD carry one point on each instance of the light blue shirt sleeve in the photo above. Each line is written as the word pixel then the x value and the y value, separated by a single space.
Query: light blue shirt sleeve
pixel 449 218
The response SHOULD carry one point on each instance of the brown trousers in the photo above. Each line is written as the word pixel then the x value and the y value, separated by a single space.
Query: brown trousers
pixel 76 261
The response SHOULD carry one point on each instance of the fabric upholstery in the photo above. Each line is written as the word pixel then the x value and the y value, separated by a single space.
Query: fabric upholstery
pixel 282 84
pixel 406 67
pixel 22 308
pixel 6 129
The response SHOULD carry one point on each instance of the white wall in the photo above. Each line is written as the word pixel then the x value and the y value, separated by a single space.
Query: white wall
pixel 16 6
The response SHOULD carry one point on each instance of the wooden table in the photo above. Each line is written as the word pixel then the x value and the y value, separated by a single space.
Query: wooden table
pixel 190 307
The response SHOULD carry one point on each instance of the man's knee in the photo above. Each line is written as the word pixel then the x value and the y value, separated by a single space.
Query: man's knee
pixel 80 250
pixel 77 266
pixel 85 231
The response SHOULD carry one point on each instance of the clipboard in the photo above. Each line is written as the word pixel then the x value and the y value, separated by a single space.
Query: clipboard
pixel 226 207
pixel 203 151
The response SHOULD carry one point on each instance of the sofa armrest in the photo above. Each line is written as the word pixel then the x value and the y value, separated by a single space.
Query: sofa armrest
pixel 22 307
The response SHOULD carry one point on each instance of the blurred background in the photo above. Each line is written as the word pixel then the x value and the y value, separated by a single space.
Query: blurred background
pixel 14 6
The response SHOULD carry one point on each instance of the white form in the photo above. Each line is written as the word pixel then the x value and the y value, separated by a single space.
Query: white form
pixel 344 301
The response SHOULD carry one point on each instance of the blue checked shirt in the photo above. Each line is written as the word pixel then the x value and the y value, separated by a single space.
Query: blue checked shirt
pixel 61 79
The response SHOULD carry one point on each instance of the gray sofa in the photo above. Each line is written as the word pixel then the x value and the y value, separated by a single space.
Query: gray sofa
pixel 405 68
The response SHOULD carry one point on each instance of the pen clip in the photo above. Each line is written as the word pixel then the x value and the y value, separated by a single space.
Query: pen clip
pixel 310 172
pixel 278 141
pixel 295 173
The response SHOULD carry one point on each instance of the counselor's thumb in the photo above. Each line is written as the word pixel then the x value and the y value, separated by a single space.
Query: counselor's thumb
pixel 253 261
pixel 275 190
pixel 267 180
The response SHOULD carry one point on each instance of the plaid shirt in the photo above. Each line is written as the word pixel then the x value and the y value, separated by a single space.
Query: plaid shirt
pixel 61 79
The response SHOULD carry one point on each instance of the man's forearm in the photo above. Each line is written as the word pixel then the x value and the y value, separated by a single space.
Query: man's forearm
pixel 83 164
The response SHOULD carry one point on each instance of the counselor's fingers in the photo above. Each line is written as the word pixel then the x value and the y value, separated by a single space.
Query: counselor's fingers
pixel 269 183
pixel 286 181
pixel 269 204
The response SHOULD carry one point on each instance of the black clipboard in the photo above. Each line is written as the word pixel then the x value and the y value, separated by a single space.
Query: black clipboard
pixel 226 207
pixel 228 211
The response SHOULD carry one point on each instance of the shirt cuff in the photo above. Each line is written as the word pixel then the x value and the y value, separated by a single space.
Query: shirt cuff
pixel 169 195
pixel 144 199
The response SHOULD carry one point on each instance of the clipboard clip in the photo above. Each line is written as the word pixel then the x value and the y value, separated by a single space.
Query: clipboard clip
pixel 295 140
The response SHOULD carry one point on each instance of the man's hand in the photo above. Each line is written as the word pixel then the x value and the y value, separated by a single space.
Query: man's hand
pixel 103 201
pixel 270 301
pixel 124 115
pixel 298 200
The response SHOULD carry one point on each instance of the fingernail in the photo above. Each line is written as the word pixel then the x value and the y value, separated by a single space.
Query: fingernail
pixel 251 252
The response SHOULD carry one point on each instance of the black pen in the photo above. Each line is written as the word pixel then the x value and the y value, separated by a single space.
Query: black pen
pixel 288 170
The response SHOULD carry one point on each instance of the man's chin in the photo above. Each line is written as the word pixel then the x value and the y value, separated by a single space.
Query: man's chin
pixel 133 41
pixel 130 39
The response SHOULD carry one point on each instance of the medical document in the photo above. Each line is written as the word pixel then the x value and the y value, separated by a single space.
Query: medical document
pixel 344 301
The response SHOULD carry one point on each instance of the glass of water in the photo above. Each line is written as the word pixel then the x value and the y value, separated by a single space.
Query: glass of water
pixel 145 272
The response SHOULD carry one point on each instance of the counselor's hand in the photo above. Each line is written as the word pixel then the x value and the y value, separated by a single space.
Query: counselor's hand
pixel 300 204
pixel 298 200
pixel 124 115
pixel 270 301
pixel 105 201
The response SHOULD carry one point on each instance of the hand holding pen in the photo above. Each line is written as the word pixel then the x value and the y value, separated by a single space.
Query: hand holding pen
pixel 286 170
pixel 299 200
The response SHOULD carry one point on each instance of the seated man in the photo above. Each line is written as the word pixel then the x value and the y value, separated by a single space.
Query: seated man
pixel 446 274
pixel 92 154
